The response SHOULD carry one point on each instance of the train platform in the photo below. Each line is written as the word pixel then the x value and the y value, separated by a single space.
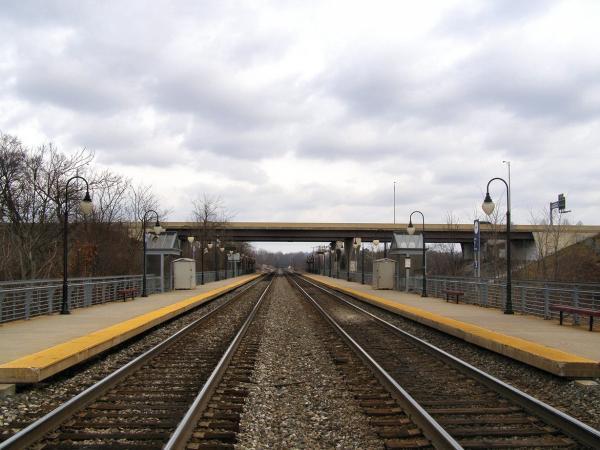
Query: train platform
pixel 566 351
pixel 35 349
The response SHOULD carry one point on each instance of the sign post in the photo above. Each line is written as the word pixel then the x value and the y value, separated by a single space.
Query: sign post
pixel 407 267
pixel 477 248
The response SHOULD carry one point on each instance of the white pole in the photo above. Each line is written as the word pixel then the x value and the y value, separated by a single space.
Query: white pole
pixel 509 191
pixel 394 202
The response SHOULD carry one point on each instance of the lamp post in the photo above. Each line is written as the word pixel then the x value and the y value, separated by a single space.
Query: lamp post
pixel 157 230
pixel 222 249
pixel 356 244
pixel 191 240
pixel 488 207
pixel 86 208
pixel 339 246
pixel 411 230
pixel 209 246
pixel 362 262
pixel 204 252
pixel 217 244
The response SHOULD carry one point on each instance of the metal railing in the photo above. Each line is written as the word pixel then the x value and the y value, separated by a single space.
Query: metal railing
pixel 528 297
pixel 209 275
pixel 25 299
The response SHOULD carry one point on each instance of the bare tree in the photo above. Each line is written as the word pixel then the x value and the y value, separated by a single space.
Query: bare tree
pixel 211 216
pixel 549 243
pixel 32 205
pixel 446 258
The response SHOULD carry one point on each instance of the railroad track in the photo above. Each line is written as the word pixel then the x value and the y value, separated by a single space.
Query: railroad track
pixel 224 394
pixel 473 408
pixel 139 405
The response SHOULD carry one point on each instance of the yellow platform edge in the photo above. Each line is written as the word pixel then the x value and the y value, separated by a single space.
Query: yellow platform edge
pixel 45 363
pixel 549 359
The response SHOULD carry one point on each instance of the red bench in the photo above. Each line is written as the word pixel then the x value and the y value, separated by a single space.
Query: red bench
pixel 453 293
pixel 572 310
pixel 129 292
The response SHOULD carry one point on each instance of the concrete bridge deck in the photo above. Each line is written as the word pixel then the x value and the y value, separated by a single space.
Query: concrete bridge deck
pixel 326 232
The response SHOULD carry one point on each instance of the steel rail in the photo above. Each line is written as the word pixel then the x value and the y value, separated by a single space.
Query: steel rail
pixel 569 425
pixel 186 427
pixel 438 436
pixel 38 429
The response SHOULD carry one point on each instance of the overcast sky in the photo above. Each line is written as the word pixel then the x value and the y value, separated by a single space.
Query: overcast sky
pixel 309 111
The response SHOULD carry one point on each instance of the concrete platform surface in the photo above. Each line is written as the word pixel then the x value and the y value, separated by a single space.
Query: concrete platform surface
pixel 565 350
pixel 35 349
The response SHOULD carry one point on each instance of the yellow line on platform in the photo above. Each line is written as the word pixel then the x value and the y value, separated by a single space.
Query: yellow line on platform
pixel 40 365
pixel 546 358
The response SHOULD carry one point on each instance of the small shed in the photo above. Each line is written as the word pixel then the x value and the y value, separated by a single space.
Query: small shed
pixel 184 271
pixel 161 250
pixel 384 271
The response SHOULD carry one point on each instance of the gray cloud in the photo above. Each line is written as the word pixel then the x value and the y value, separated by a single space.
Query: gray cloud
pixel 486 17
pixel 227 89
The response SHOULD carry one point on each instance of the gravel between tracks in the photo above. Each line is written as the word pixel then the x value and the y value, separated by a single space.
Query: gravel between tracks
pixel 32 402
pixel 299 399
pixel 581 402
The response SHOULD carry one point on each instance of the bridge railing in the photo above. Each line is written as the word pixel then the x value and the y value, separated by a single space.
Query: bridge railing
pixel 528 297
pixel 25 299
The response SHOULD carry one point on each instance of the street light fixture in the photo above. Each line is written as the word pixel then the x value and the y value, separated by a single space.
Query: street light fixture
pixel 86 207
pixel 375 247
pixel 331 252
pixel 488 207
pixel 411 230
pixel 157 230
pixel 191 239
pixel 339 247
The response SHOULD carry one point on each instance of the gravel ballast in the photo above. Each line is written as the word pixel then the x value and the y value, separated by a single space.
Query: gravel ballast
pixel 299 399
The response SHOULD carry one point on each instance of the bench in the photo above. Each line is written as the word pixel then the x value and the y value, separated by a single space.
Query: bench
pixel 453 293
pixel 572 310
pixel 128 292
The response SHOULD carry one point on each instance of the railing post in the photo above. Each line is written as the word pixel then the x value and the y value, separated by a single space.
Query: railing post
pixel 1 303
pixel 523 289
pixel 546 303
pixel 28 303
pixel 87 294
pixel 484 293
pixel 576 305
pixel 50 293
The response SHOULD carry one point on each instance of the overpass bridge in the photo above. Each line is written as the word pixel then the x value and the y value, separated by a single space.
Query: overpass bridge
pixel 523 237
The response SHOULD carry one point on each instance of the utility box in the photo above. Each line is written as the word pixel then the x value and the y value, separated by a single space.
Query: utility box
pixel 384 271
pixel 184 273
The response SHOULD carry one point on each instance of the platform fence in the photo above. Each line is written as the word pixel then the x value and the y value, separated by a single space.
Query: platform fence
pixel 528 297
pixel 24 299
pixel 210 276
